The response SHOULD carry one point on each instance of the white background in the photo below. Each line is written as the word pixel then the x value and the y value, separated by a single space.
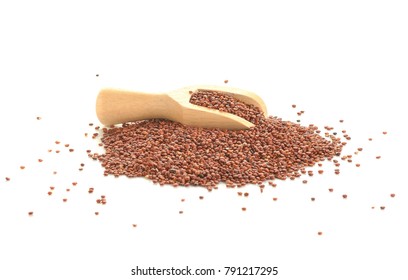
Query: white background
pixel 334 59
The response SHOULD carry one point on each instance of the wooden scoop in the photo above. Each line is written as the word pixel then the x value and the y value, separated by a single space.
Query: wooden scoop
pixel 115 106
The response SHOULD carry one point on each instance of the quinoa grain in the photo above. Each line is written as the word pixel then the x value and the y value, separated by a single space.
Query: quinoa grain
pixel 170 153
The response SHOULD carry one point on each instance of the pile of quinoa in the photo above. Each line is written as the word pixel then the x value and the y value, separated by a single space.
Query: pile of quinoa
pixel 167 152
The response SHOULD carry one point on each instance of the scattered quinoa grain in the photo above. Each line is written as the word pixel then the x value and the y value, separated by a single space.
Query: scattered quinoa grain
pixel 30 213
pixel 382 207
pixel 392 195
pixel 344 196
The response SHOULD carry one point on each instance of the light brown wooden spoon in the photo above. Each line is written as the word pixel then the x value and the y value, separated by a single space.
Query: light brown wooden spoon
pixel 115 106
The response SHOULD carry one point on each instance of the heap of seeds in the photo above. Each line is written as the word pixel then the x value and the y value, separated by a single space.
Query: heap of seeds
pixel 170 153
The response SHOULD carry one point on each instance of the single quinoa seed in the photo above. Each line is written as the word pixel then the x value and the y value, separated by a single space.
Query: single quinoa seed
pixel 30 213
pixel 392 195
pixel 64 199
pixel 319 233
pixel 330 190
pixel 201 197
pixel 181 212
pixel 96 213
pixel 378 157
pixel 243 209
pixel 225 81
pixel 22 167
pixel 382 207
pixel 344 196
pixel 7 179
pixel 134 225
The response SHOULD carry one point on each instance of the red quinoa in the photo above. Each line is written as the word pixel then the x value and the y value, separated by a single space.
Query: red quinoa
pixel 170 153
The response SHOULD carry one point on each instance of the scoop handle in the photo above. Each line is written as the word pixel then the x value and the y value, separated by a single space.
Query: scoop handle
pixel 115 106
